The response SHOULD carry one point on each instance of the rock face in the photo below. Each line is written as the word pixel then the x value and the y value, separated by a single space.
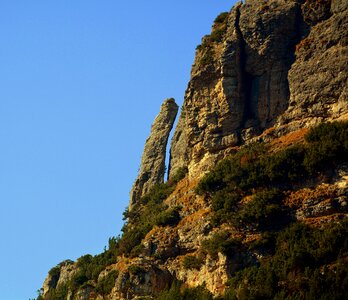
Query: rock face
pixel 152 167
pixel 318 77
pixel 267 64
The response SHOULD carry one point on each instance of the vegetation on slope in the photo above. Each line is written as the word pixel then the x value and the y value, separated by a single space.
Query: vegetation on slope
pixel 297 261
pixel 149 212
pixel 308 263
pixel 254 171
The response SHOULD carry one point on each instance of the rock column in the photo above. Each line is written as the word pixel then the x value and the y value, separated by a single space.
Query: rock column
pixel 152 167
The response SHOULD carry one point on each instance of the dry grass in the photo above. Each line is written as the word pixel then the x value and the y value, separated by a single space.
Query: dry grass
pixel 321 192
pixel 288 139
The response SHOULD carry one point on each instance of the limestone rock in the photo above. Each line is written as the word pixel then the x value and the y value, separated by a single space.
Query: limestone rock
pixel 152 167
pixel 59 276
pixel 141 278
pixel 318 79
pixel 267 64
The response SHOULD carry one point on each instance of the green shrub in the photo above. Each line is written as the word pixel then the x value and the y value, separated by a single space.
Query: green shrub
pixel 132 238
pixel 169 217
pixel 178 292
pixel 54 273
pixel 286 165
pixel 149 212
pixel 327 146
pixel 221 18
pixel 137 250
pixel 241 171
pixel 253 168
pixel 77 280
pixel 106 284
pixel 135 269
pixel 264 210
pixel 224 204
pixel 192 262
pixel 306 262
pixel 179 175
pixel 172 293
pixel 158 193
pixel 219 242
pixel 59 293
pixel 199 292
pixel 267 242
pixel 218 31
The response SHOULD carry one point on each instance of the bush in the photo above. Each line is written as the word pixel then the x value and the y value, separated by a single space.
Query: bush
pixel 221 18
pixel 306 262
pixel 172 293
pixel 199 292
pixel 59 293
pixel 158 193
pixel 263 211
pixel 106 284
pixel 54 273
pixel 79 278
pixel 252 168
pixel 178 292
pixel 169 217
pixel 179 175
pixel 219 242
pixel 215 37
pixel 225 204
pixel 192 262
pixel 149 212
pixel 327 146
pixel 286 165
pixel 266 242
pixel 134 269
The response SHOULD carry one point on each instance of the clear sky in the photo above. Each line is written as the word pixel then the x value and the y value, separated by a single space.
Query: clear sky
pixel 80 84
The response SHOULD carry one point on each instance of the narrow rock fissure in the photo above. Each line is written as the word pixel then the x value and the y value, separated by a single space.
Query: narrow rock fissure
pixel 248 82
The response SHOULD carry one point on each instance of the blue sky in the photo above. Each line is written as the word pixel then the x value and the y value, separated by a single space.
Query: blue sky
pixel 81 82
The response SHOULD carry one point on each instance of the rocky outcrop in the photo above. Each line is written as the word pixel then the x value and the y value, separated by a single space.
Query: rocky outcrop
pixel 152 167
pixel 274 64
pixel 268 71
pixel 141 278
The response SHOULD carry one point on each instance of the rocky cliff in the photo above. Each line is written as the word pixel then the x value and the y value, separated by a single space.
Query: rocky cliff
pixel 262 212
pixel 276 65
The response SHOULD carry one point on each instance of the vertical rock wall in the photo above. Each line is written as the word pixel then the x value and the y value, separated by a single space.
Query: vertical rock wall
pixel 260 68
pixel 318 79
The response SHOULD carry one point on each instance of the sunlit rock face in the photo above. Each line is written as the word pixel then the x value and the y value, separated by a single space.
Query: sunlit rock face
pixel 269 64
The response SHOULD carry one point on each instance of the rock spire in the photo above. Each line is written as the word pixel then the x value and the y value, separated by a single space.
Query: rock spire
pixel 152 167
